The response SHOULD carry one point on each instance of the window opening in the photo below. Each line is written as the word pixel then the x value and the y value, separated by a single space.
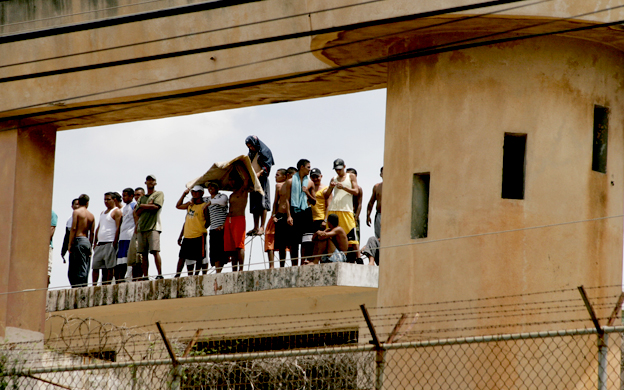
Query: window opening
pixel 420 205
pixel 514 164
pixel 601 137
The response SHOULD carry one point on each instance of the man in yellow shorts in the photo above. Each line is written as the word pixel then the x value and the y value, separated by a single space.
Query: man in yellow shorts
pixel 343 187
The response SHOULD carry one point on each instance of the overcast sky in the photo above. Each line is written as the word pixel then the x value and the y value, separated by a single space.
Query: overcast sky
pixel 110 158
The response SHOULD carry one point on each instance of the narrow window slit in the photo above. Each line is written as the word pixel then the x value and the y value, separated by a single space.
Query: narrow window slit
pixel 601 137
pixel 420 205
pixel 514 163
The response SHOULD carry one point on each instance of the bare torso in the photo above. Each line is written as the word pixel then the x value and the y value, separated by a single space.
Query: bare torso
pixel 238 202
pixel 377 194
pixel 339 240
pixel 283 196
pixel 83 221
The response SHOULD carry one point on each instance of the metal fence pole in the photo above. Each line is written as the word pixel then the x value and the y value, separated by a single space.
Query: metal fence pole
pixel 603 343
pixel 380 352
pixel 176 373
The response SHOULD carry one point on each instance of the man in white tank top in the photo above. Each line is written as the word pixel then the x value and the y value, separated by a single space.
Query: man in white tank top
pixel 343 187
pixel 106 239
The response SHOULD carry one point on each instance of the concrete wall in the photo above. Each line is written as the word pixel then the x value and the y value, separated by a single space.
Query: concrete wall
pixel 447 115
pixel 137 92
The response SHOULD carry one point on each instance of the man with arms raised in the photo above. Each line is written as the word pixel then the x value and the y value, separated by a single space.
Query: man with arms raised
pixel 80 241
pixel 148 226
pixel 332 242
pixel 193 246
pixel 234 230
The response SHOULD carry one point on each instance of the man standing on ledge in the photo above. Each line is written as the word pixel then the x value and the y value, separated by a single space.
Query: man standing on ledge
pixel 80 242
pixel 375 198
pixel 344 187
pixel 149 227
pixel 234 227
pixel 261 162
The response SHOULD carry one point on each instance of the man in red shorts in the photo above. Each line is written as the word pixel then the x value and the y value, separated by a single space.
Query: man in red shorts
pixel 234 227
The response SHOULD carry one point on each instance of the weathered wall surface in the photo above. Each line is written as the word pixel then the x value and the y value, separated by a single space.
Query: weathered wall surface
pixel 447 116
pixel 185 85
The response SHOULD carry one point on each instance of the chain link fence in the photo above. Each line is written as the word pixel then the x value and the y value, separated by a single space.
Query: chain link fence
pixel 572 359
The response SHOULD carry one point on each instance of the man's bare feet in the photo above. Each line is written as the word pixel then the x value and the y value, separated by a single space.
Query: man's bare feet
pixel 259 232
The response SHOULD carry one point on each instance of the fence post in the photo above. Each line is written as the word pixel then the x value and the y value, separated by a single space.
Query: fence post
pixel 380 351
pixel 176 374
pixel 603 341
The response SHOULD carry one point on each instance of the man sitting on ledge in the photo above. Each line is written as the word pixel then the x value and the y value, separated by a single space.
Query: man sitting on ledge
pixel 331 243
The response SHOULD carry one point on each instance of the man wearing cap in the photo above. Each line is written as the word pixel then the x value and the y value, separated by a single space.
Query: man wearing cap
pixel 344 187
pixel 148 226
pixel 193 246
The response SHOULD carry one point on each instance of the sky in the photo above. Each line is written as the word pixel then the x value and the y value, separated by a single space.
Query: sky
pixel 110 158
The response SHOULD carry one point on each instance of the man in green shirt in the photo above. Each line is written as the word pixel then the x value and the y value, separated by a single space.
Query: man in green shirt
pixel 148 226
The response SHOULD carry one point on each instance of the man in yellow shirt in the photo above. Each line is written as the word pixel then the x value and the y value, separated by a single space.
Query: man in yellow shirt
pixel 193 246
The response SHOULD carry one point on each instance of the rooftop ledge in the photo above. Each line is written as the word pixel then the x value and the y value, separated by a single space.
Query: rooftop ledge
pixel 336 276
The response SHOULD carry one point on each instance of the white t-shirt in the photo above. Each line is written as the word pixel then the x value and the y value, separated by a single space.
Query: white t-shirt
pixel 127 222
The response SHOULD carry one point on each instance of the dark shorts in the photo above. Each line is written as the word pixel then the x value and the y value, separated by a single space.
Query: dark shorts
pixel 283 232
pixel 258 202
pixel 216 247
pixel 193 248
pixel 317 225
pixel 303 227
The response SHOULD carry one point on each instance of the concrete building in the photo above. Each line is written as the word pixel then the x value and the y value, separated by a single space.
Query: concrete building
pixel 511 121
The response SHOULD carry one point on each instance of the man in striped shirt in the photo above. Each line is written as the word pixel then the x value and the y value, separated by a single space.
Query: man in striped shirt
pixel 218 209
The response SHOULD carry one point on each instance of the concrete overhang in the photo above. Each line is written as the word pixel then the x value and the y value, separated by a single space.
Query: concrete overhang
pixel 305 289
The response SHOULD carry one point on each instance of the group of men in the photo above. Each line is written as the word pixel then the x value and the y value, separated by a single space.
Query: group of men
pixel 124 236
pixel 321 220
pixel 314 222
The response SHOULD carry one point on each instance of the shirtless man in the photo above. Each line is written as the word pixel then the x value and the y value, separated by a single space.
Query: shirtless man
pixel 80 239
pixel 333 242
pixel 375 198
pixel 281 215
pixel 234 230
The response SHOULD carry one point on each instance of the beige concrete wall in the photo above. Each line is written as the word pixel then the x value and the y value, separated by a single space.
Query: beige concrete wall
pixel 26 200
pixel 119 94
pixel 447 115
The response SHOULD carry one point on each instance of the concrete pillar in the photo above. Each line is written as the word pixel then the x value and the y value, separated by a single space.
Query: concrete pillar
pixel 447 116
pixel 26 174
